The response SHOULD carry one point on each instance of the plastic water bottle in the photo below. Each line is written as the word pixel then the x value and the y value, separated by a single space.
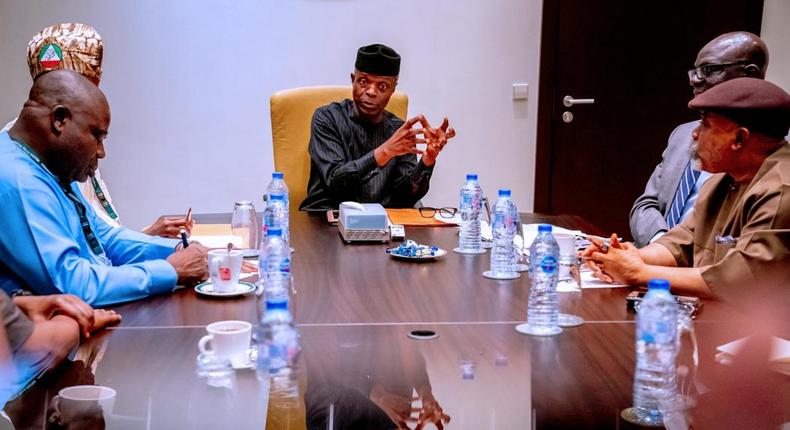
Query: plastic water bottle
pixel 279 351
pixel 470 207
pixel 280 334
pixel 274 267
pixel 656 349
pixel 503 226
pixel 544 265
pixel 278 185
pixel 276 215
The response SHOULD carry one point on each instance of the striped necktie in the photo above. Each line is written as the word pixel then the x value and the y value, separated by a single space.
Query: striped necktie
pixel 685 187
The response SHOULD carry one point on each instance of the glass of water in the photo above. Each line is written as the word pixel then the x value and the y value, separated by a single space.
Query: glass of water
pixel 568 259
pixel 245 225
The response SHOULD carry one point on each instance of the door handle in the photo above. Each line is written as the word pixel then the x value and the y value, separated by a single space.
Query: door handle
pixel 569 101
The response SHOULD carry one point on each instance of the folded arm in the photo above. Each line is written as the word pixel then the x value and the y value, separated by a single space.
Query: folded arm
pixel 39 245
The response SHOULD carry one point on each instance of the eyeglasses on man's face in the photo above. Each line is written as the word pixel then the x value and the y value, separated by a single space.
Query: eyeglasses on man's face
pixel 707 70
pixel 428 212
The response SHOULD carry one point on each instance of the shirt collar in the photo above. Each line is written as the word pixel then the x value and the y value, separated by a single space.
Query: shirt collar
pixel 357 118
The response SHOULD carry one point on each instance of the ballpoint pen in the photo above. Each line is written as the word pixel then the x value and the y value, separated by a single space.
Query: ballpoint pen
pixel 184 240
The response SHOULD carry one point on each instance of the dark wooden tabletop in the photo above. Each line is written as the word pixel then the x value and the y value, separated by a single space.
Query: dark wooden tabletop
pixel 354 308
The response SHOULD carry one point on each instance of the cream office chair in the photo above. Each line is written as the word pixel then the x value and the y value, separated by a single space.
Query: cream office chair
pixel 292 113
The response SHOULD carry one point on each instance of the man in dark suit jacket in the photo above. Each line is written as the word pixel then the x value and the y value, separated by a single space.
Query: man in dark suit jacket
pixel 728 56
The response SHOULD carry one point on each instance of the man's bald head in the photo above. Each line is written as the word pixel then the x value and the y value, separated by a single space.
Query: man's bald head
pixel 730 55
pixel 68 88
pixel 65 120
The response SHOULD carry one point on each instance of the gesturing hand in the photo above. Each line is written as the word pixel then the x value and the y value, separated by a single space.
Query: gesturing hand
pixel 166 226
pixel 436 139
pixel 403 141
pixel 191 264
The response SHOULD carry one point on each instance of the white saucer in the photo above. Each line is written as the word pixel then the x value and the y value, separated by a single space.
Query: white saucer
pixel 207 289
pixel 249 253
pixel 490 275
pixel 247 364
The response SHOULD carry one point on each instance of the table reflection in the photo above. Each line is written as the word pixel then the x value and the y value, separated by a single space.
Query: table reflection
pixel 41 407
pixel 376 377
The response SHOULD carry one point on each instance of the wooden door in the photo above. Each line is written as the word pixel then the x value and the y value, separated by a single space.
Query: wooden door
pixel 632 58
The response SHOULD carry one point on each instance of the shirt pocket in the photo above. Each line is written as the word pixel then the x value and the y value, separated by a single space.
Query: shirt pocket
pixel 721 249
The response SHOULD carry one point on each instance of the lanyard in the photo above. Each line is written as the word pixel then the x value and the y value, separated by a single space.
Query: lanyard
pixel 103 199
pixel 93 241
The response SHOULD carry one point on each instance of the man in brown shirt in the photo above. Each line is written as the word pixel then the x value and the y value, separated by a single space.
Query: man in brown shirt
pixel 739 232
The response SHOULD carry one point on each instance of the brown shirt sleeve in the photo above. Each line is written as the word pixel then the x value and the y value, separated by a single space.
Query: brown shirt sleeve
pixel 762 251
pixel 680 241
pixel 18 327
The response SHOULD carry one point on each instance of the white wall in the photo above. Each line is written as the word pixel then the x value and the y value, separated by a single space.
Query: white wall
pixel 189 81
pixel 776 33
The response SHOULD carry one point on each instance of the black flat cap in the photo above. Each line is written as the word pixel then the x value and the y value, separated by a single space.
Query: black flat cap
pixel 756 104
pixel 378 59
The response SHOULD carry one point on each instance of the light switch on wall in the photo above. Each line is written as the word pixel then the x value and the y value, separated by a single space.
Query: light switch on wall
pixel 520 91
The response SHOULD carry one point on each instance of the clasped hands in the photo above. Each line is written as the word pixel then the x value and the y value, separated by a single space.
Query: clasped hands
pixel 614 261
pixel 405 141
pixel 42 308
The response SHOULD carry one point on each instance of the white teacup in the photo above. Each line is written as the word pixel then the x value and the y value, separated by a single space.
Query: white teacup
pixel 83 403
pixel 228 339
pixel 224 268
pixel 567 243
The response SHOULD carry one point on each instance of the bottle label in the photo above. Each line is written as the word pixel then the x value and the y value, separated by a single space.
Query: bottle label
pixel 548 264
pixel 285 265
pixel 466 201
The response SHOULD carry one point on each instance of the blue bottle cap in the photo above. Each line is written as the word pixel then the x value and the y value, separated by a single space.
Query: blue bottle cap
pixel 272 305
pixel 658 284
pixel 277 175
pixel 471 176
pixel 544 228
pixel 276 196
pixel 274 231
pixel 504 192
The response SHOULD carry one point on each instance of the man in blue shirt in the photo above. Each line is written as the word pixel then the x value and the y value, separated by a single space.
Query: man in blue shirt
pixel 52 240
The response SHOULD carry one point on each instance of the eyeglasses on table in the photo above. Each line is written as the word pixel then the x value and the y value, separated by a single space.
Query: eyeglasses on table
pixel 429 212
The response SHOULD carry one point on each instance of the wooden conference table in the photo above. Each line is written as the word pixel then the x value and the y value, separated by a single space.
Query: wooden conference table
pixel 354 308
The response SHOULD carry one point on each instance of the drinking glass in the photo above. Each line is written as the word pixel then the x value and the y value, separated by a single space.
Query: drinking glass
pixel 244 224
pixel 569 262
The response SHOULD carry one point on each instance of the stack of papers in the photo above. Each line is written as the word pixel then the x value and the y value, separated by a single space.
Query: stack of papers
pixel 588 281
pixel 779 360
pixel 217 241
pixel 531 232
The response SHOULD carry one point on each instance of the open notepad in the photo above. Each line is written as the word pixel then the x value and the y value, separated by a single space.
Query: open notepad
pixel 217 241
pixel 779 358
